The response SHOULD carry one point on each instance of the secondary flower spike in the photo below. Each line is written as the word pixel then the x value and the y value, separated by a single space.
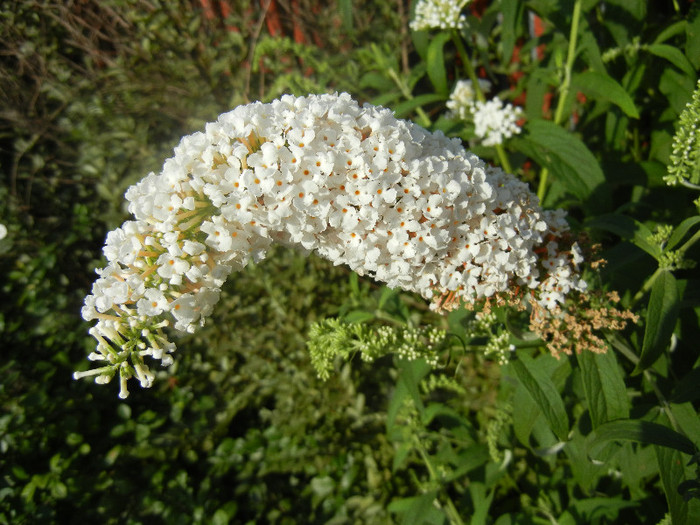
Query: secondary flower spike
pixel 410 208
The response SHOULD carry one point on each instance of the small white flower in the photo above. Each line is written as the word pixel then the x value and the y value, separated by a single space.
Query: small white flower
pixel 152 303
pixel 3 231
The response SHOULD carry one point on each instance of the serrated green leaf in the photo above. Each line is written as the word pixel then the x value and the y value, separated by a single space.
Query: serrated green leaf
pixel 564 154
pixel 640 431
pixel 603 87
pixel 661 317
pixel 681 231
pixel 674 56
pixel 604 386
pixel 627 228
pixel 435 61
pixel 542 390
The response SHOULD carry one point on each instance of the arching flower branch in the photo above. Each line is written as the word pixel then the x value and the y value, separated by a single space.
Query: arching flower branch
pixel 389 199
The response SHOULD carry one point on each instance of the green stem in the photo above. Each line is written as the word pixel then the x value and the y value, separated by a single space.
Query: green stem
pixel 686 246
pixel 469 71
pixel 467 65
pixel 650 281
pixel 646 287
pixel 566 85
pixel 406 92
pixel 452 513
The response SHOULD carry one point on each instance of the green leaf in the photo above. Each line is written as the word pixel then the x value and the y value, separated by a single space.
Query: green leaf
pixel 662 314
pixel 407 107
pixel 639 431
pixel 673 55
pixel 627 228
pixel 564 154
pixel 687 388
pixel 345 9
pixel 673 473
pixel 412 372
pixel 681 231
pixel 358 316
pixel 509 9
pixel 527 411
pixel 605 387
pixel 596 510
pixel 542 390
pixel 436 64
pixel 482 502
pixel 687 418
pixel 677 87
pixel 692 37
pixel 419 510
pixel 603 87
pixel 377 81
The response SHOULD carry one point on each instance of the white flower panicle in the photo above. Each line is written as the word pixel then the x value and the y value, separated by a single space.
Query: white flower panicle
pixel 495 121
pixel 352 183
pixel 439 14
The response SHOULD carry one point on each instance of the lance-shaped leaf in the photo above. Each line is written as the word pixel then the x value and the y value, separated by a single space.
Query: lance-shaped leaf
pixel 604 387
pixel 674 477
pixel 681 231
pixel 639 431
pixel 542 390
pixel 662 314
pixel 436 63
pixel 569 160
pixel 603 87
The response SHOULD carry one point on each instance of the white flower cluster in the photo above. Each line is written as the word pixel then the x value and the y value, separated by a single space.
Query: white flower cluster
pixel 389 199
pixel 439 14
pixel 494 121
pixel 463 98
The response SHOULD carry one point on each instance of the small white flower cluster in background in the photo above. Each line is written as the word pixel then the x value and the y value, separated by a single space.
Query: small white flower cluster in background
pixel 439 14
pixel 3 231
pixel 389 199
pixel 463 98
pixel 494 121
